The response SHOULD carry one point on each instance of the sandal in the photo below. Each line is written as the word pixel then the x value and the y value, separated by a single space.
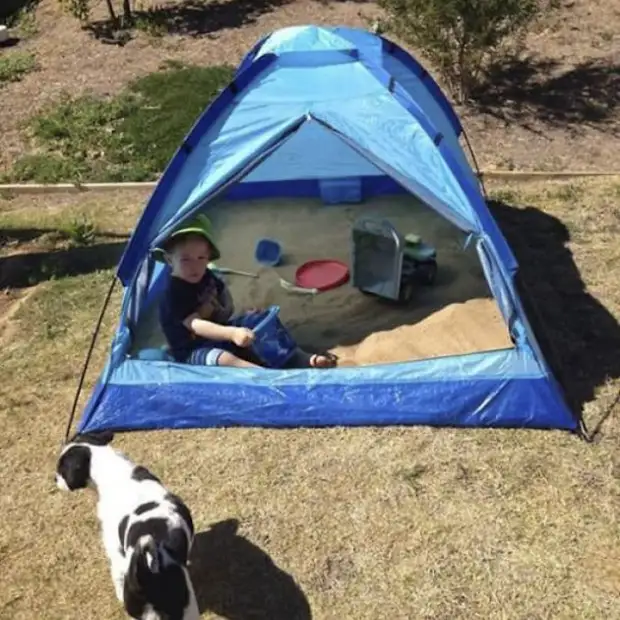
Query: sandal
pixel 331 360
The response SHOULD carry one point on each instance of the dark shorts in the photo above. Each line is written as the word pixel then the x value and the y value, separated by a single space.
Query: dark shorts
pixel 209 355
pixel 205 356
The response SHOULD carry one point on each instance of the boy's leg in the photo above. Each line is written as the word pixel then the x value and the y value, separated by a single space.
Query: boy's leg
pixel 244 353
pixel 216 356
pixel 303 359
pixel 226 358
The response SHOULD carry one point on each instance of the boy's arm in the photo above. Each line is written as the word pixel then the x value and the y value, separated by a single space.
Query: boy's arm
pixel 208 329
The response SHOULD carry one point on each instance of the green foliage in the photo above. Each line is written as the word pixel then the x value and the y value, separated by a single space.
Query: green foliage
pixel 14 65
pixel 130 137
pixel 80 231
pixel 43 168
pixel 80 9
pixel 460 36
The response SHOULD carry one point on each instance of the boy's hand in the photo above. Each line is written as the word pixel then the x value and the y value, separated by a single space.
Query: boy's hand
pixel 242 336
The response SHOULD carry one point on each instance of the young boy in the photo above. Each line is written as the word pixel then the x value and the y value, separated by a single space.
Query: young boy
pixel 197 306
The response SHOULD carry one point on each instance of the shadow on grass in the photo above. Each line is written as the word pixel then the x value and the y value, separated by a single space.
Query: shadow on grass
pixel 193 18
pixel 30 265
pixel 10 42
pixel 9 8
pixel 579 337
pixel 523 90
pixel 235 579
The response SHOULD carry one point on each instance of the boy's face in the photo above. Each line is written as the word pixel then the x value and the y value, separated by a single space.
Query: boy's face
pixel 189 258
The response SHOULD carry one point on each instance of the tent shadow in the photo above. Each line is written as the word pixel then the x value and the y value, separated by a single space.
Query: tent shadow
pixel 579 337
pixel 235 579
pixel 8 8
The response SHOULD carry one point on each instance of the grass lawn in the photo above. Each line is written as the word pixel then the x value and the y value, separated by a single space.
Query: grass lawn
pixel 129 137
pixel 335 524
pixel 15 65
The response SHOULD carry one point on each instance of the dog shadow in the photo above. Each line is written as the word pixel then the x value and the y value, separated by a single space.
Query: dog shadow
pixel 235 579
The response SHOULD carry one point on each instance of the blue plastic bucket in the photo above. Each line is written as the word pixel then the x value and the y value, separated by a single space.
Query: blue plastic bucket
pixel 273 343
pixel 268 252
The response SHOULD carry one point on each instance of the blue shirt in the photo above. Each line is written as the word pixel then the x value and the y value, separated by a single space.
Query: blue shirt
pixel 181 299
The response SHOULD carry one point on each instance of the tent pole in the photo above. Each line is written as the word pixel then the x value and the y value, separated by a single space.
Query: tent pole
pixel 473 156
pixel 88 356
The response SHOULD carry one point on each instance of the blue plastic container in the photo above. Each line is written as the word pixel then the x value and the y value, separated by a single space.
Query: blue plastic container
pixel 273 344
pixel 268 252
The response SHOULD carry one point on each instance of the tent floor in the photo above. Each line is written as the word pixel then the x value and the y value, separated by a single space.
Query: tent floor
pixel 457 315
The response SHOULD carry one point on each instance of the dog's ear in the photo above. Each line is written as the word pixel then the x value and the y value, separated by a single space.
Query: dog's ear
pixel 73 468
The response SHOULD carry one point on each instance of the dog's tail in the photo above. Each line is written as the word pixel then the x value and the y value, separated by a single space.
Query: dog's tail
pixel 146 554
pixel 143 578
pixel 148 549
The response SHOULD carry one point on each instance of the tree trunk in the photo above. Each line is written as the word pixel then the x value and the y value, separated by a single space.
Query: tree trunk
pixel 127 15
pixel 113 17
pixel 463 69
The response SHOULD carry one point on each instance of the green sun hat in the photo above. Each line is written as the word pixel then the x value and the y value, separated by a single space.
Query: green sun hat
pixel 199 225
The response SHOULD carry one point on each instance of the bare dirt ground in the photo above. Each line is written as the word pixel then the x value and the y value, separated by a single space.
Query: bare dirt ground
pixel 557 109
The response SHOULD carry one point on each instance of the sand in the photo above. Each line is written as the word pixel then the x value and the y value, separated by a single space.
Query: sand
pixel 457 315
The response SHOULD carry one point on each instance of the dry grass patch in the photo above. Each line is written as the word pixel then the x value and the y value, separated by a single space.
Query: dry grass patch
pixel 342 523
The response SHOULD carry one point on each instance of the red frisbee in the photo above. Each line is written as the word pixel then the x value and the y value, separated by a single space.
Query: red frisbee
pixel 322 274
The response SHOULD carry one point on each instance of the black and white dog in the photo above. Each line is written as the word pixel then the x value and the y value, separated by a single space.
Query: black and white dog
pixel 147 531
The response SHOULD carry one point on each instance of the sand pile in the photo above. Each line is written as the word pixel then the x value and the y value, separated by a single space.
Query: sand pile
pixel 475 325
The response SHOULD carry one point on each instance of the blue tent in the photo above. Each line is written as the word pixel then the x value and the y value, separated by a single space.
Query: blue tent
pixel 308 108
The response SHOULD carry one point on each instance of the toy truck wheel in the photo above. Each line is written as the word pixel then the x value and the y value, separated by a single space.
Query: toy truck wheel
pixel 427 273
pixel 406 293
